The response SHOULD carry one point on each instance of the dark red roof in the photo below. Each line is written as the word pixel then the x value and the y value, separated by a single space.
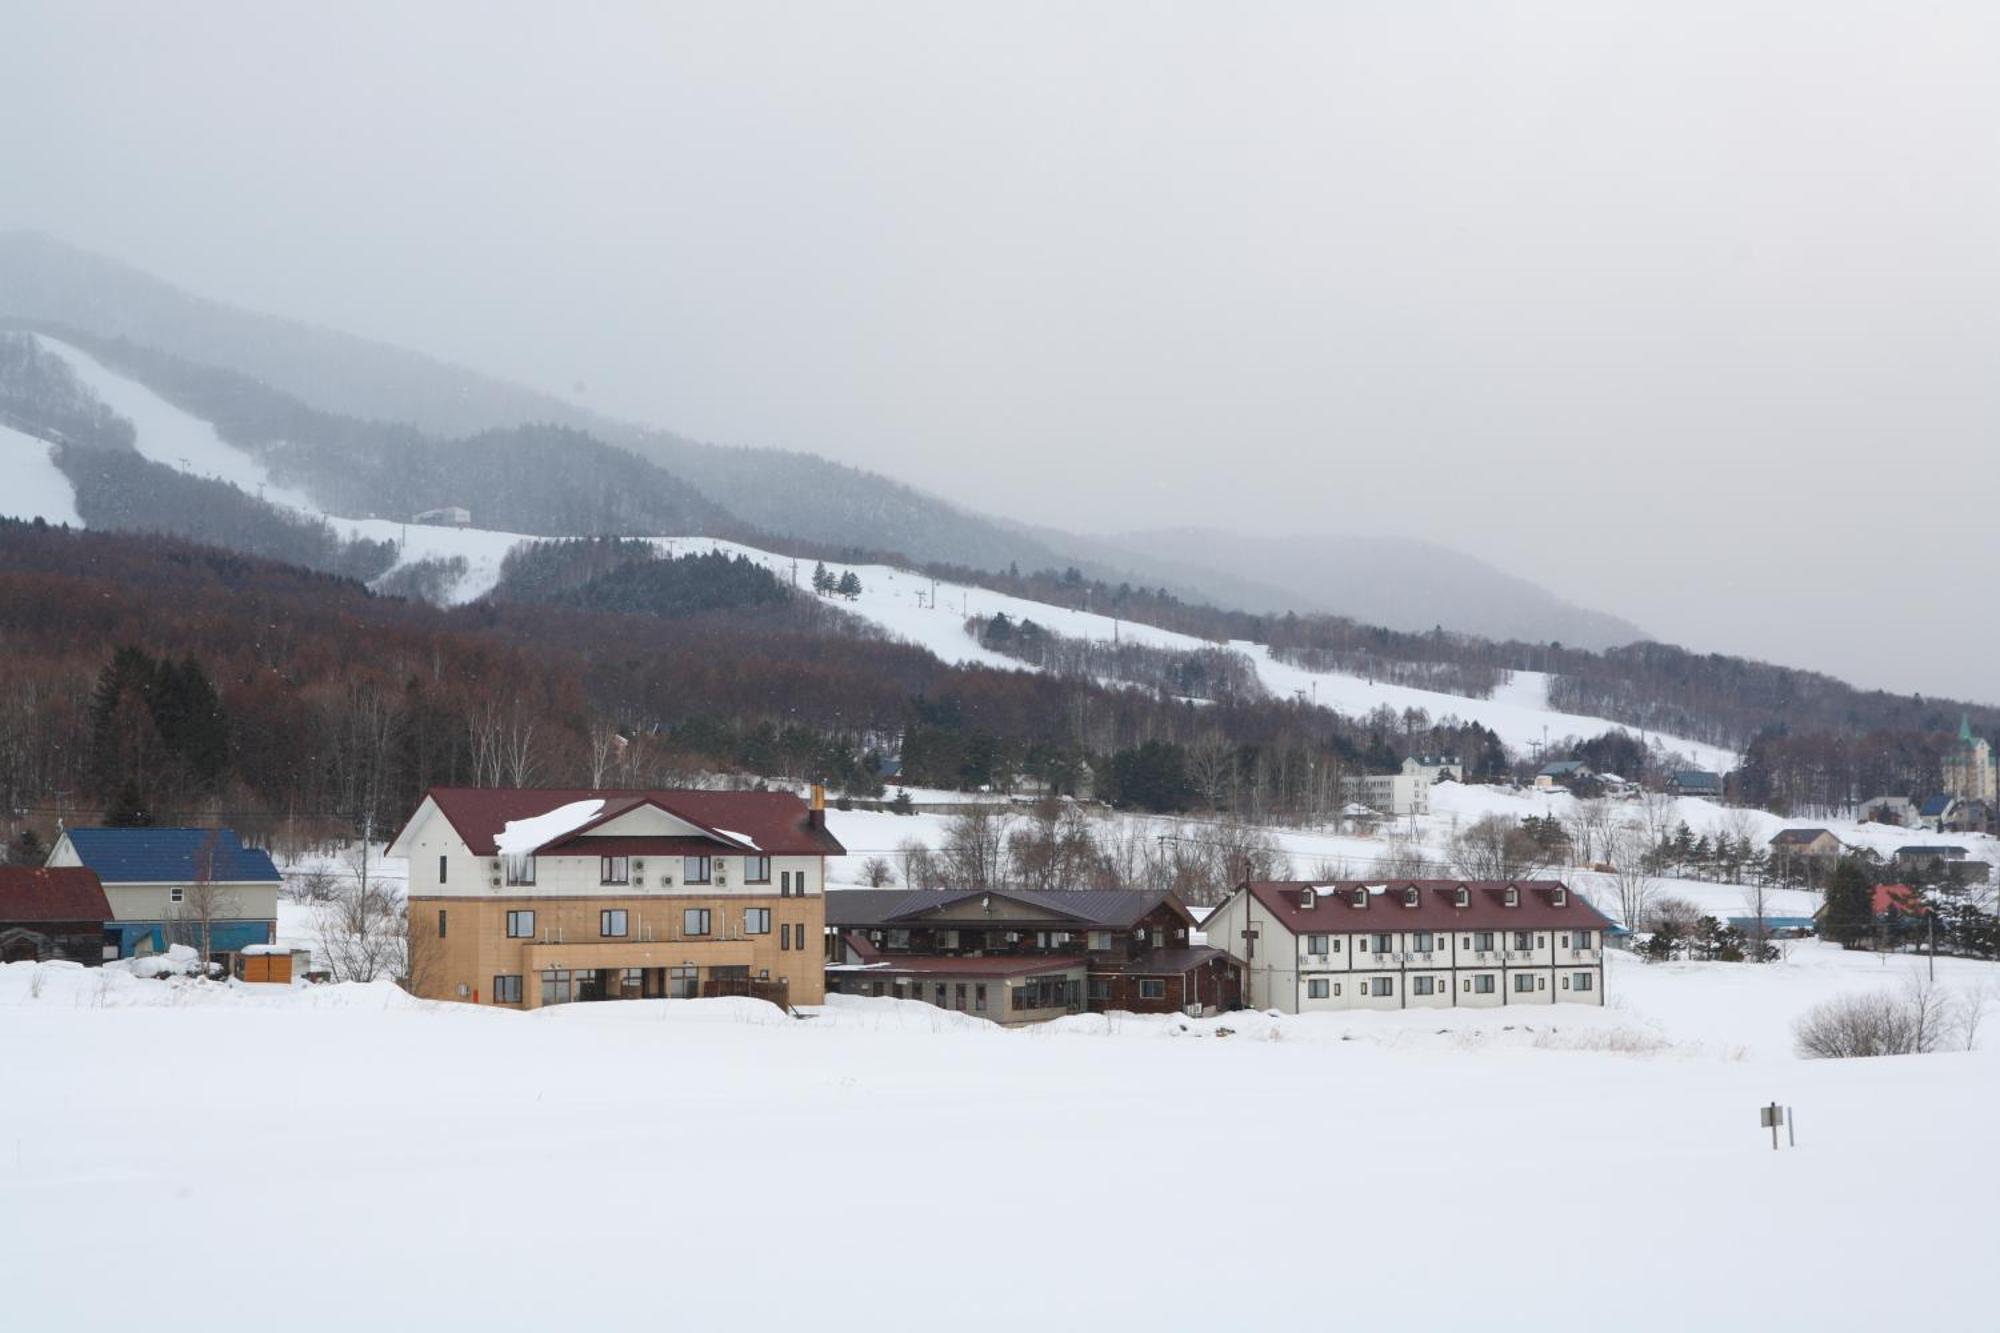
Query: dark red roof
pixel 1334 911
pixel 776 821
pixel 68 893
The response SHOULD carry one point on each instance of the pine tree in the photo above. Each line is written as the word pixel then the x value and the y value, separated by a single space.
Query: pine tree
pixel 849 586
pixel 1849 918
pixel 823 582
pixel 129 809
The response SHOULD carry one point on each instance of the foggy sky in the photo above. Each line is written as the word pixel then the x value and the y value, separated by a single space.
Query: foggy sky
pixel 1690 312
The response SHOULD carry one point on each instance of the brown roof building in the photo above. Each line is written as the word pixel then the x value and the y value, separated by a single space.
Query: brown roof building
pixel 52 914
pixel 1021 956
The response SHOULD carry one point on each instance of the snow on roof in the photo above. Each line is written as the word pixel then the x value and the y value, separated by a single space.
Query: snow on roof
pixel 743 838
pixel 522 836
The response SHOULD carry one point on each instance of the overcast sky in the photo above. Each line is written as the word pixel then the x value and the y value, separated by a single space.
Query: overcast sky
pixel 1688 311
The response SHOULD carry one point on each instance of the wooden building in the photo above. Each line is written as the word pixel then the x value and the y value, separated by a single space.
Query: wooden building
pixel 1021 956
pixel 52 914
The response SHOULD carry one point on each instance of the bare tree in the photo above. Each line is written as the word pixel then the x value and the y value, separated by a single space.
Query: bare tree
pixel 1497 848
pixel 204 902
pixel 974 848
pixel 1631 882
pixel 1757 902
pixel 877 873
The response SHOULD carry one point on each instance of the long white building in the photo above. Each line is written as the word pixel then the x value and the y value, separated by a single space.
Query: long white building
pixel 1412 944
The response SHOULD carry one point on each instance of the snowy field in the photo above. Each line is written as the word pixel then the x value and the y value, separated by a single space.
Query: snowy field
pixel 908 605
pixel 349 1158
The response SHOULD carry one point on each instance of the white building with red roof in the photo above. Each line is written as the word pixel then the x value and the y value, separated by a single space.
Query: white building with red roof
pixel 1412 944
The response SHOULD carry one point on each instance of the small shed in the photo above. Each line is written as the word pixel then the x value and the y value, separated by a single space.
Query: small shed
pixel 274 963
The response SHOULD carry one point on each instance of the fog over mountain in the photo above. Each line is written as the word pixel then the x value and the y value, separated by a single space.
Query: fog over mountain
pixel 1685 313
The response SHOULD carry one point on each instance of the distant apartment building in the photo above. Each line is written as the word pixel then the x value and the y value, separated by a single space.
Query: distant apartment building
pixel 1434 768
pixel 526 897
pixel 1412 944
pixel 1396 794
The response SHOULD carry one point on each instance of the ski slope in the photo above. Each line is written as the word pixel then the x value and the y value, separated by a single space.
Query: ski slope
pixel 167 435
pixel 908 605
pixel 31 485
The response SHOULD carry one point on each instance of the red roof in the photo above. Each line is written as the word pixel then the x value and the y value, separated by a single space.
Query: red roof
pixel 1899 896
pixel 777 822
pixel 69 893
pixel 1334 912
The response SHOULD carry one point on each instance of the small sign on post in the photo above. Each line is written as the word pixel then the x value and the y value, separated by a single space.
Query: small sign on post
pixel 1770 1117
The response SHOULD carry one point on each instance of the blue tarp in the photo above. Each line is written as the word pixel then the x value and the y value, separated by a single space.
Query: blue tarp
pixel 135 937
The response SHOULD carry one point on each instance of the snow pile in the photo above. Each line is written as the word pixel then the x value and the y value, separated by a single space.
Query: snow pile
pixel 522 837
pixel 163 983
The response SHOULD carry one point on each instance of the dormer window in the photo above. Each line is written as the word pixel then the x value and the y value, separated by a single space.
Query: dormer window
pixel 1361 897
pixel 1560 897
pixel 1308 899
pixel 1462 898
pixel 1410 896
pixel 1513 896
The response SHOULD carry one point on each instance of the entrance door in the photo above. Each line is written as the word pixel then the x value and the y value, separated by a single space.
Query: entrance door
pixel 683 983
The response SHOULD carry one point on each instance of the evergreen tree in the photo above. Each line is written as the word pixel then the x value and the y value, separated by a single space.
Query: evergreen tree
pixel 823 582
pixel 849 586
pixel 1849 918
pixel 129 808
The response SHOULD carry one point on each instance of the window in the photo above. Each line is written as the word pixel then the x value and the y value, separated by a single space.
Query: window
pixel 1316 989
pixel 507 989
pixel 1382 986
pixel 1523 941
pixel 694 870
pixel 958 994
pixel 1100 990
pixel 940 995
pixel 1098 941
pixel 694 921
pixel 756 921
pixel 1483 941
pixel 556 987
pixel 441 866
pixel 1421 942
pixel 979 998
pixel 784 935
pixel 1383 944
pixel 683 983
pixel 178 894
pixel 520 869
pixel 1152 988
pixel 1523 982
pixel 611 923
pixel 784 883
pixel 614 870
pixel 520 925
pixel 1483 985
pixel 756 870
pixel 1316 944
pixel 1336 946
pixel 1336 988
pixel 1565 983
pixel 1581 939
pixel 1423 985
pixel 1583 981
pixel 440 923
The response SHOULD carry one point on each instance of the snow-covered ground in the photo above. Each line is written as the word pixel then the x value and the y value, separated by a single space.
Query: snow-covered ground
pixel 356 1159
pixel 31 485
pixel 908 605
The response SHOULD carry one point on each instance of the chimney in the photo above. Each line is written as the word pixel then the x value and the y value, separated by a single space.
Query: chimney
pixel 816 808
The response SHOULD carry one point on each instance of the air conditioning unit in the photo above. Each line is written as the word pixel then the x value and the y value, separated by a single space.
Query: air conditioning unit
pixel 638 865
pixel 495 881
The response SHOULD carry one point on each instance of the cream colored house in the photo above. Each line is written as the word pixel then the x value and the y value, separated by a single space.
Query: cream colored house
pixel 1412 944
pixel 532 896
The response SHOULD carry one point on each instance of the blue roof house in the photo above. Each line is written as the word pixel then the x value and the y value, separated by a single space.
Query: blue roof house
pixel 194 886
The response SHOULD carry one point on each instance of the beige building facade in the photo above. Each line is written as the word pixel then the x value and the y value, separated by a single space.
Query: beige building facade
pixel 524 898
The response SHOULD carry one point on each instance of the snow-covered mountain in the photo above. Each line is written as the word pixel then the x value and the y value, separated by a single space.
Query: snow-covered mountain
pixel 904 603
